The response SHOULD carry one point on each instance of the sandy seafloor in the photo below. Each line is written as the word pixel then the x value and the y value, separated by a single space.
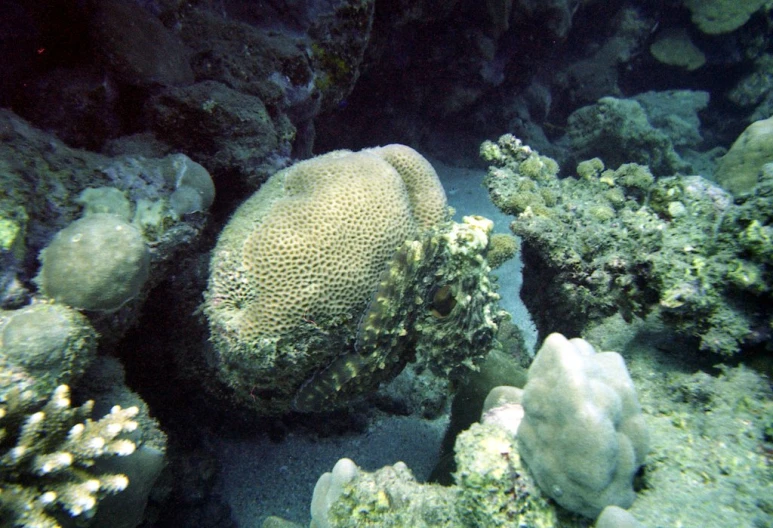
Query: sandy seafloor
pixel 261 478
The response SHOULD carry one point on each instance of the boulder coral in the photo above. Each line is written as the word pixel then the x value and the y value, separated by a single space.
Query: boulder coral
pixel 48 344
pixel 330 277
pixel 739 170
pixel 97 263
pixel 585 442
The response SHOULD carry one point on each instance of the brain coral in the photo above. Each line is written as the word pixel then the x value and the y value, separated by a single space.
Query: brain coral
pixel 315 238
pixel 299 262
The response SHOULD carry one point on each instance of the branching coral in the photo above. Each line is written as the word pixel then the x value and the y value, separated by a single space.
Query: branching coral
pixel 48 456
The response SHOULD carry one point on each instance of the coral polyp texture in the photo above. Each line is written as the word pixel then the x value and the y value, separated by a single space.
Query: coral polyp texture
pixel 326 280
pixel 48 454
pixel 610 241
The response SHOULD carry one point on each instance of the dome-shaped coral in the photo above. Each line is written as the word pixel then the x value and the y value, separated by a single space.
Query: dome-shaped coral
pixel 296 269
pixel 97 263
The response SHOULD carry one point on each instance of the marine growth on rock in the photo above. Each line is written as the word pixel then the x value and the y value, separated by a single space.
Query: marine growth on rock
pixel 339 271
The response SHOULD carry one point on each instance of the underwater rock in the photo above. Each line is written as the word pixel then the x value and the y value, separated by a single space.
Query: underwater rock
pixel 226 129
pixel 136 47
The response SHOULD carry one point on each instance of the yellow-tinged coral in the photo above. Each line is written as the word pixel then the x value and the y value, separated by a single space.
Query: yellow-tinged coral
pixel 315 238
pixel 47 455
pixel 503 248
pixel 299 261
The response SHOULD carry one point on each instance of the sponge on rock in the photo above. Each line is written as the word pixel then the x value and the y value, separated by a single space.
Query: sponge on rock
pixel 583 436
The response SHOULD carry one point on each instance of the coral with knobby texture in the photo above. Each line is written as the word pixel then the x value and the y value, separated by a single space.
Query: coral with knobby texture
pixel 585 442
pixel 503 248
pixel 620 241
pixel 334 273
pixel 52 344
pixel 618 131
pixel 47 456
pixel 97 263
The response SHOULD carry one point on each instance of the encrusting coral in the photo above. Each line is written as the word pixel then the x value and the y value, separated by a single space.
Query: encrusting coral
pixel 621 241
pixel 47 458
pixel 339 271
pixel 492 489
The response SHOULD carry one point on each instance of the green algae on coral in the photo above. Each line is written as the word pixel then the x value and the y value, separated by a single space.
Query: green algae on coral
pixel 622 241
pixel 408 316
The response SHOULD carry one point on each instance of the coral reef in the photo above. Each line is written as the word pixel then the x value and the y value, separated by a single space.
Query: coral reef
pixel 739 170
pixel 620 131
pixel 48 454
pixel 584 443
pixel 492 489
pixel 97 263
pixel 289 333
pixel 621 241
pixel 159 204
